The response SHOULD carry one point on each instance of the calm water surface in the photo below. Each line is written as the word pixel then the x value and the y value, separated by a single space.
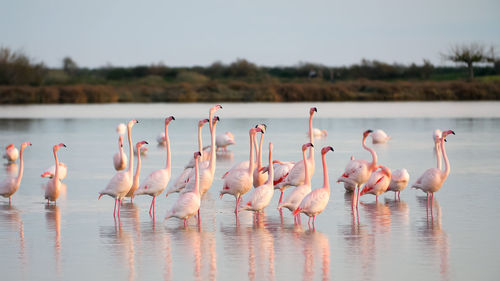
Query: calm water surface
pixel 397 240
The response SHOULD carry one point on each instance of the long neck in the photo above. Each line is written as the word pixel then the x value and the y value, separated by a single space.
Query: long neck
pixel 270 176
pixel 120 148
pixel 200 143
pixel 259 152
pixel 311 137
pixel 130 151
pixel 167 139
pixel 373 164
pixel 196 176
pixel 212 147
pixel 446 161
pixel 251 164
pixel 437 148
pixel 326 183
pixel 307 180
pixel 21 165
pixel 138 169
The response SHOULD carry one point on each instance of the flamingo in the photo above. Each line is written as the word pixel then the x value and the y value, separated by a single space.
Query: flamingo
pixel 379 136
pixel 295 197
pixel 53 187
pixel 261 195
pixel 120 159
pixel 121 129
pixel 399 181
pixel 259 178
pixel 357 172
pixel 51 171
pixel 349 187
pixel 378 182
pixel 239 180
pixel 223 140
pixel 158 180
pixel 120 183
pixel 436 136
pixel 296 175
pixel 315 202
pixel 188 203
pixel 432 179
pixel 11 184
pixel 205 153
pixel 181 180
pixel 135 182
pixel 318 133
pixel 11 153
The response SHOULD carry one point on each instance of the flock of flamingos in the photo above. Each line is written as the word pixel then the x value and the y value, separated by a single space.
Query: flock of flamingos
pixel 198 175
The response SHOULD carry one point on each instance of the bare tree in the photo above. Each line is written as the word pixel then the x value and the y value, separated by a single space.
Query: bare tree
pixel 469 54
pixel 69 66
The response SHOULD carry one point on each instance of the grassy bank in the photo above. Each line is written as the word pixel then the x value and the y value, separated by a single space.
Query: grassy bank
pixel 239 91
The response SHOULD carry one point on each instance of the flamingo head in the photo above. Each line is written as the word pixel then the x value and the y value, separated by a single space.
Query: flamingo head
pixel 132 123
pixel 121 128
pixel 10 146
pixel 306 145
pixel 446 133
pixel 202 122
pixel 197 155
pixel 366 133
pixel 57 146
pixel 254 131
pixel 139 144
pixel 385 170
pixel 169 119
pixel 215 120
pixel 215 108
pixel 325 149
pixel 263 127
pixel 436 136
pixel 120 141
pixel 47 175
pixel 25 144
pixel 312 110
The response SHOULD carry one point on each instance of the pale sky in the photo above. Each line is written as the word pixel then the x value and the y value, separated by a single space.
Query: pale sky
pixel 267 32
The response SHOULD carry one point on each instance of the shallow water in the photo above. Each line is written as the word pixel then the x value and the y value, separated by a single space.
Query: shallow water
pixel 79 240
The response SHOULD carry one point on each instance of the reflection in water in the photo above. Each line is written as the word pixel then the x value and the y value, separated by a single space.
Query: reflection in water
pixel 379 215
pixel 316 244
pixel 10 215
pixel 399 210
pixel 53 218
pixel 123 245
pixel 190 241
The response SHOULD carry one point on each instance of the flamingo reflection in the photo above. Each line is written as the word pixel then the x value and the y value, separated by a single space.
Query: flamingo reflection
pixel 316 242
pixel 11 216
pixel 53 218
pixel 123 245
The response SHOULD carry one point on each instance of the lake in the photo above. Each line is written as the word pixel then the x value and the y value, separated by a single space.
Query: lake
pixel 80 240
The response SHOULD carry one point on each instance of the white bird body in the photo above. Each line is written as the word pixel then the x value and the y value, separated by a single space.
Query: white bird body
pixel 11 153
pixel 223 140
pixel 261 196
pixel 120 159
pixel 121 129
pixel 379 136
pixel 281 170
pixel 180 181
pixel 318 133
pixel 399 180
pixel 11 184
pixel 51 171
pixel 53 187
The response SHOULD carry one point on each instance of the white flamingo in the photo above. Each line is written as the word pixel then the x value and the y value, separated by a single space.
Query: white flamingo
pixel 223 140
pixel 120 159
pixel 318 133
pixel 295 197
pixel 11 153
pixel 158 180
pixel 399 181
pixel 378 182
pixel 11 184
pixel 259 178
pixel 53 187
pixel 188 203
pixel 239 180
pixel 296 175
pixel 120 183
pixel 51 171
pixel 357 172
pixel 315 202
pixel 135 182
pixel 379 136
pixel 261 196
pixel 432 179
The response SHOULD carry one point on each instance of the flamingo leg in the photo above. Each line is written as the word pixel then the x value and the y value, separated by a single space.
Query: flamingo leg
pixel 281 197
pixel 309 222
pixel 237 203
pixel 427 200
pixel 314 218
pixel 119 204
pixel 395 193
pixel 357 198
pixel 376 198
pixel 432 202
pixel 9 200
pixel 114 209
pixel 152 205
pixel 185 223
pixel 399 195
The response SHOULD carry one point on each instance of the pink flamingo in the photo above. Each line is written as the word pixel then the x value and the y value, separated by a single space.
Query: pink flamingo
pixel 54 185
pixel 378 182
pixel 239 180
pixel 11 184
pixel 315 202
pixel 120 183
pixel 357 172
pixel 261 195
pixel 399 181
pixel 223 140
pixel 50 172
pixel 297 195
pixel 120 159
pixel 11 153
pixel 188 203
pixel 135 182
pixel 436 136
pixel 432 179
pixel 182 179
pixel 158 180
pixel 296 175
pixel 259 178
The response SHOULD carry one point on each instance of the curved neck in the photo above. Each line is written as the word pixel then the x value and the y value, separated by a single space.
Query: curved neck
pixel 120 148
pixel 251 162
pixel 130 151
pixel 21 165
pixel 437 148
pixel 446 161
pixel 200 143
pixel 311 137
pixel 196 176
pixel 212 147
pixel 138 169
pixel 307 180
pixel 270 176
pixel 373 164
pixel 326 183
pixel 56 175
pixel 259 152
pixel 167 140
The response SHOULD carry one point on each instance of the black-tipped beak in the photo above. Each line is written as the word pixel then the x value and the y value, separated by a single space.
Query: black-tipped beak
pixel 146 142
pixel 199 153
pixel 370 131
pixel 315 109
pixel 31 144
pixel 331 148
pixel 136 121
pixel 173 118
pixel 218 119
pixel 452 132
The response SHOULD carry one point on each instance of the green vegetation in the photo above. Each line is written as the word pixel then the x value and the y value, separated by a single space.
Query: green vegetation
pixel 24 81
